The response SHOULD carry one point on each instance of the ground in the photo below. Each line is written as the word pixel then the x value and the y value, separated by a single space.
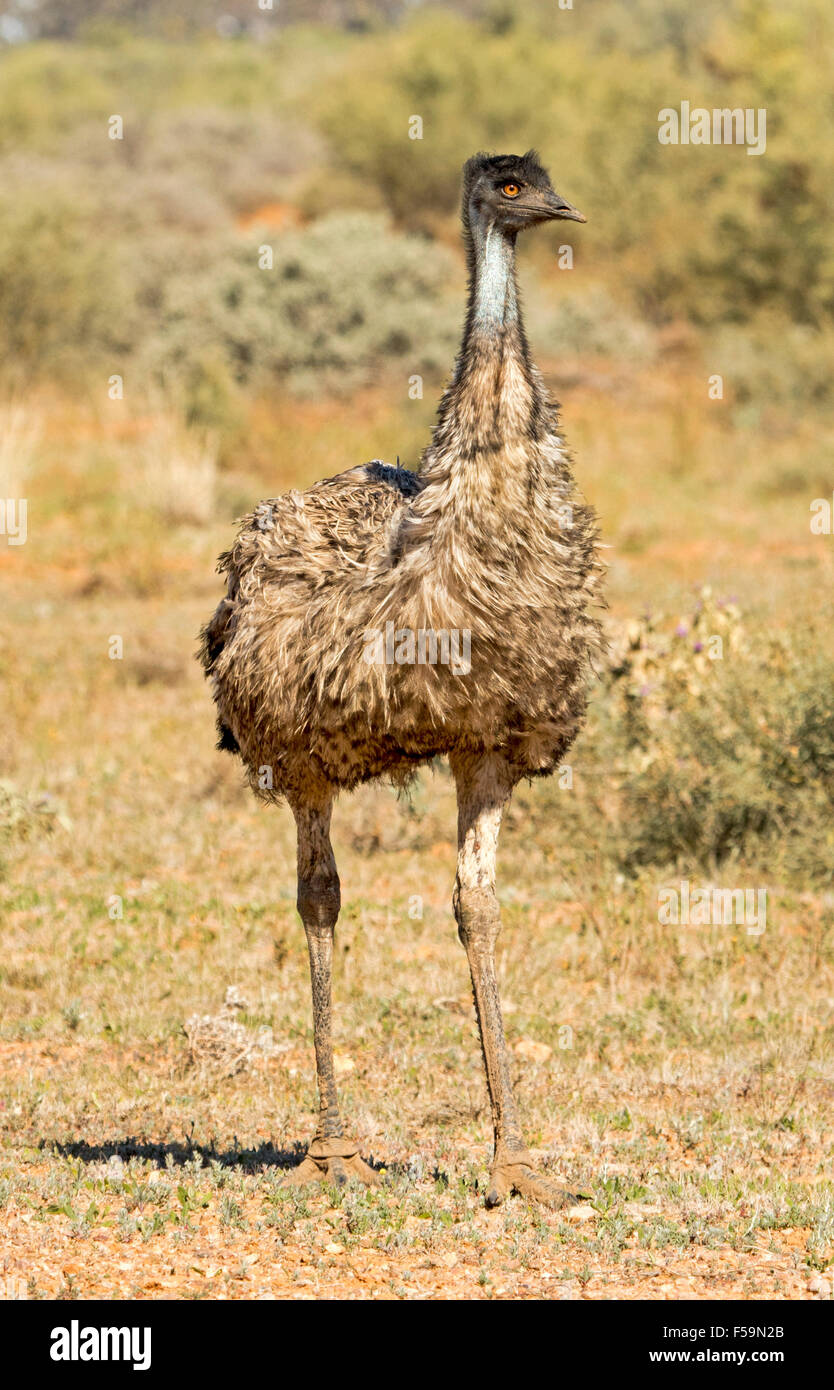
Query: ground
pixel 679 1083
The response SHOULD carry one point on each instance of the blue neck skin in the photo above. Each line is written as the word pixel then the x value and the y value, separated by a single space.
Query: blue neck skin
pixel 494 300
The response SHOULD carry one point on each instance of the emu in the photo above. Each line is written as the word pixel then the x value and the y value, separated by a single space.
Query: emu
pixel 488 537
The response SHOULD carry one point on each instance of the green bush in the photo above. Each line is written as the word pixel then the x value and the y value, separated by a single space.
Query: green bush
pixel 103 244
pixel 730 233
pixel 481 89
pixel 147 275
pixel 585 323
pixel 768 361
pixel 23 816
pixel 345 299
pixel 61 293
pixel 691 763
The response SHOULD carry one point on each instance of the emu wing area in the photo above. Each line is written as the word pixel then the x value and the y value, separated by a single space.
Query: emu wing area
pixel 289 552
pixel 333 525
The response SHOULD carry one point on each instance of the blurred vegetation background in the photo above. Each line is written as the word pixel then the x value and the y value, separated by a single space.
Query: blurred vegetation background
pixel 246 126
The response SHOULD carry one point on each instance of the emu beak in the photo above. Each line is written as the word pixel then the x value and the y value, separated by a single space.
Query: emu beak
pixel 555 206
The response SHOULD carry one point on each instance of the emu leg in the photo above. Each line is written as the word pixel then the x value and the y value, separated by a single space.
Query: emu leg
pixel 330 1157
pixel 483 787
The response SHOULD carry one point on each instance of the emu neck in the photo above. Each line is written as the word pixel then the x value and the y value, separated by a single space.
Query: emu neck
pixel 493 294
pixel 492 399
pixel 483 464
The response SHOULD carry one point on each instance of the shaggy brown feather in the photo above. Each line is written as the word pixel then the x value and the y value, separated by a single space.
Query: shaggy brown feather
pixel 490 536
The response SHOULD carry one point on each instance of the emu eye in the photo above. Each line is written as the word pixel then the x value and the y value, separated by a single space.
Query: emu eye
pixel 511 190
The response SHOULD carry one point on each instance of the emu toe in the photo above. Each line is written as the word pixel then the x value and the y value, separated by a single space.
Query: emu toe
pixel 521 1178
pixel 333 1161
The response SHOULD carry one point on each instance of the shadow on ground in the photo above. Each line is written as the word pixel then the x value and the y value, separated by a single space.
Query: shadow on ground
pixel 181 1152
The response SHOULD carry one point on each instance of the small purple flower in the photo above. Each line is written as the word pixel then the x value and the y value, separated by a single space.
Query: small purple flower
pixel 698 647
pixel 681 630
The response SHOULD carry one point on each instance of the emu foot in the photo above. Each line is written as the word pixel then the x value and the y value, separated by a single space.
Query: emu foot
pixel 334 1161
pixel 520 1177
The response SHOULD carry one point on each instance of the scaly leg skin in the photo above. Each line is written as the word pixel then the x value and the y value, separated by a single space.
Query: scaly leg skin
pixel 330 1157
pixel 484 785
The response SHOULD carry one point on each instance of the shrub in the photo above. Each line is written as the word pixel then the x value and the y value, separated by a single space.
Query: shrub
pixel 730 234
pixel 771 362
pixel 729 757
pixel 23 816
pixel 587 322
pixel 689 762
pixel 60 290
pixel 345 299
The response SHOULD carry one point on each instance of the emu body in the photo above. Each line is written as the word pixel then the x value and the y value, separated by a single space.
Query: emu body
pixel 490 538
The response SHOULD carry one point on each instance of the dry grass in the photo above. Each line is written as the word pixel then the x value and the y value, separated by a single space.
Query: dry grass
pixel 20 431
pixel 681 1078
pixel 176 477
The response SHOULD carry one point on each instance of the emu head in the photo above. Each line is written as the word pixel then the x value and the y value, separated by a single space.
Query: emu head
pixel 511 192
